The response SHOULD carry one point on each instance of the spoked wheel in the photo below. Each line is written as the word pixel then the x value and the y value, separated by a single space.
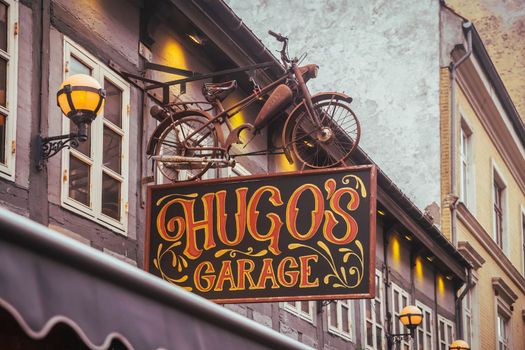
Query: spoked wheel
pixel 328 144
pixel 182 148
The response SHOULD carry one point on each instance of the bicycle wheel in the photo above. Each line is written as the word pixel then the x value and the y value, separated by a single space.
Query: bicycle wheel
pixel 330 143
pixel 185 138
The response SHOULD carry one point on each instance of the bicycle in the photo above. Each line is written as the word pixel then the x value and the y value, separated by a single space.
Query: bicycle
pixel 320 131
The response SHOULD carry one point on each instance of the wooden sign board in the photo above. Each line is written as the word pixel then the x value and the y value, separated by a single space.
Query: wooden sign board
pixel 293 236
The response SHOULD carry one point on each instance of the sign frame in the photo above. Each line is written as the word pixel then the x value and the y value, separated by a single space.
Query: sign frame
pixel 372 231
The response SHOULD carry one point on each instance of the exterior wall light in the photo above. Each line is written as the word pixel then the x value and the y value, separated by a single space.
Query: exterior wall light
pixel 81 99
pixel 459 345
pixel 411 317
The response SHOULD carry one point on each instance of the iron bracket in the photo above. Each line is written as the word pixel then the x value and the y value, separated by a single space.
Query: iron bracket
pixel 49 146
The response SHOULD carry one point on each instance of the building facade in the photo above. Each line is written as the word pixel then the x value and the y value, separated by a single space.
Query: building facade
pixel 96 193
pixel 452 114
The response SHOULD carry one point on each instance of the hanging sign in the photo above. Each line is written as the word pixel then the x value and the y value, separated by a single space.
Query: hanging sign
pixel 294 236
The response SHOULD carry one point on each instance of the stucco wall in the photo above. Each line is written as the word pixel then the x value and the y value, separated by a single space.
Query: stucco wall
pixel 385 54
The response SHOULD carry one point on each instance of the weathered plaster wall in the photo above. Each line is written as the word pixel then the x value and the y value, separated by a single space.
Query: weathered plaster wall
pixel 385 54
pixel 501 25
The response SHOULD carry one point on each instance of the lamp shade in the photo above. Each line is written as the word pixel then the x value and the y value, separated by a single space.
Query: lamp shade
pixel 81 98
pixel 459 345
pixel 411 316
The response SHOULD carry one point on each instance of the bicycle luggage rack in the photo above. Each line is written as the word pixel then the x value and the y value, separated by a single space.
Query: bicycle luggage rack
pixel 151 84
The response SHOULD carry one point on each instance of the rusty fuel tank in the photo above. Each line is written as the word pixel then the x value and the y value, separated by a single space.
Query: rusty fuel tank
pixel 279 99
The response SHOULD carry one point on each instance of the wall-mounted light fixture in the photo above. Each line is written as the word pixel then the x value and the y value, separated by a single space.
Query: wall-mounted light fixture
pixel 81 99
pixel 411 317
pixel 459 345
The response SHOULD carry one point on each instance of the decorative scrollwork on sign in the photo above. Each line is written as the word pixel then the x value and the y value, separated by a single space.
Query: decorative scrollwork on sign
pixel 178 262
pixel 349 275
pixel 233 252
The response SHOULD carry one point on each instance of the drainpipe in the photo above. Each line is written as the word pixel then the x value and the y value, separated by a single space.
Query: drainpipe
pixel 459 310
pixel 453 72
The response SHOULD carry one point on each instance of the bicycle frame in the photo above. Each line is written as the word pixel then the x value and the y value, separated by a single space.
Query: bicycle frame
pixel 226 114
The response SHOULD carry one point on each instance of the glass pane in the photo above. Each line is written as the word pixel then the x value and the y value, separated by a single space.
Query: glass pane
pixel 3 121
pixel 333 315
pixel 112 149
pixel 378 311
pixel 428 322
pixel 379 338
pixel 368 309
pixel 113 106
pixel 77 67
pixel 83 147
pixel 345 316
pixel 79 180
pixel 3 26
pixel 396 302
pixel 3 82
pixel 369 334
pixel 305 307
pixel 110 197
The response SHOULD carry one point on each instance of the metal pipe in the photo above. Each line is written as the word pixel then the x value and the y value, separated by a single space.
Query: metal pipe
pixel 459 311
pixel 453 71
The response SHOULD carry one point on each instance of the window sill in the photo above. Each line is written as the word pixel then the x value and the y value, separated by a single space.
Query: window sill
pixel 117 227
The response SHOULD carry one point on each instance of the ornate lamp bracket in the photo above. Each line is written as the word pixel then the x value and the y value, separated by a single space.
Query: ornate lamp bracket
pixel 49 146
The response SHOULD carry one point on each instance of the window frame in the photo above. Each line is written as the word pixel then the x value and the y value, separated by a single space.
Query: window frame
pixel 379 298
pixel 297 310
pixel 466 164
pixel 397 324
pixel 448 338
pixel 498 182
pixel 522 212
pixel 8 169
pixel 337 329
pixel 94 212
pixel 500 338
pixel 422 327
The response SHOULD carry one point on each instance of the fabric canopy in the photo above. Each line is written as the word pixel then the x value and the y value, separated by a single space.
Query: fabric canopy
pixel 48 280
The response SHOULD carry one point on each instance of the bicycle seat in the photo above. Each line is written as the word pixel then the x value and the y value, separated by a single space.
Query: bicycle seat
pixel 214 91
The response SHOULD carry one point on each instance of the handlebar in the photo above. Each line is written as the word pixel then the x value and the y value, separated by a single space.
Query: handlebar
pixel 284 50
pixel 277 36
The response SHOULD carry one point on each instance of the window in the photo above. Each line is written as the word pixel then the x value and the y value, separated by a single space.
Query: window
pixel 340 318
pixel 465 162
pixel 8 86
pixel 498 194
pixel 303 309
pixel 467 317
pixel 400 299
pixel 446 332
pixel 523 242
pixel 425 331
pixel 374 317
pixel 502 328
pixel 95 175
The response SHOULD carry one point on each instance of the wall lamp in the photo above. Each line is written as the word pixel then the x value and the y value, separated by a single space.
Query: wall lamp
pixel 81 99
pixel 459 345
pixel 411 317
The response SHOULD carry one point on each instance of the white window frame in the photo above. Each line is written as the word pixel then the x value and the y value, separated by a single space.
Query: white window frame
pixel 522 234
pixel 466 164
pixel 337 306
pixel 403 295
pixel 422 328
pixel 468 315
pixel 445 339
pixel 7 170
pixel 379 298
pixel 294 307
pixel 500 338
pixel 497 177
pixel 94 211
